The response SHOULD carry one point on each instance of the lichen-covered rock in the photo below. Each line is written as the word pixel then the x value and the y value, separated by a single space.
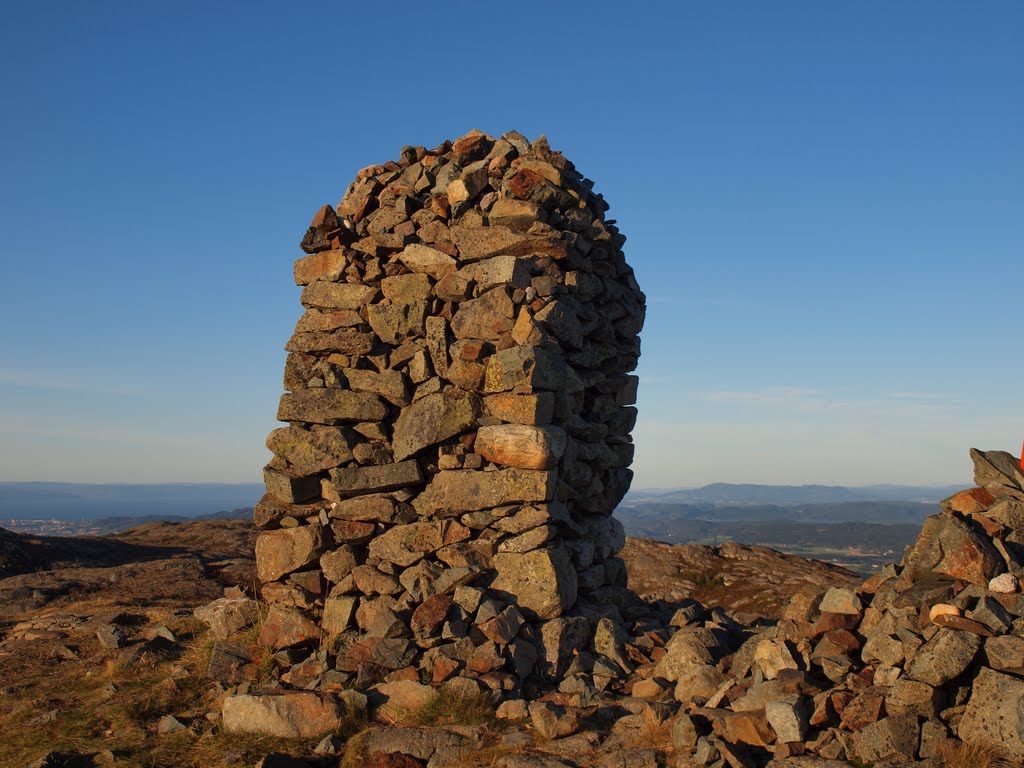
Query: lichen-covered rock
pixel 541 583
pixel 284 550
pixel 995 712
pixel 292 716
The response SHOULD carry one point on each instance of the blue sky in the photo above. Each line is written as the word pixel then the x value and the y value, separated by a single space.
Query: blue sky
pixel 824 205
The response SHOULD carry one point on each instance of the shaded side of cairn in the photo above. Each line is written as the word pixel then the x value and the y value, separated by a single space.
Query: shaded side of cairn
pixel 459 406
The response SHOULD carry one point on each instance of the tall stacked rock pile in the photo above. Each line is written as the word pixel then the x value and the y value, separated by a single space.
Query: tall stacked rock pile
pixel 922 655
pixel 459 406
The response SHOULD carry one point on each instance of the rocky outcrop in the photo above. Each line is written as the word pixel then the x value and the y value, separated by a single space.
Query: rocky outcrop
pixel 459 405
pixel 916 659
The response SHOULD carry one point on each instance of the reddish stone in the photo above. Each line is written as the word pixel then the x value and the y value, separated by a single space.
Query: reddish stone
pixel 471 350
pixel 457 532
pixel 844 639
pixel 970 501
pixel 405 673
pixel 443 669
pixel 523 182
pixel 440 206
pixel 352 532
pixel 470 148
pixel 949 544
pixel 745 727
pixel 828 622
pixel 285 628
pixel 319 265
pixel 485 658
pixel 863 710
pixel 368 171
pixel 325 219
pixel 990 526
pixel 639 657
pixel 962 623
pixel 429 616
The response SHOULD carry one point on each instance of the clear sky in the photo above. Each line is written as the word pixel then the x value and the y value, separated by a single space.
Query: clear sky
pixel 824 204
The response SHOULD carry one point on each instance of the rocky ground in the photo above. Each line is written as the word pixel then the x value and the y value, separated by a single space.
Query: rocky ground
pixel 105 664
pixel 141 650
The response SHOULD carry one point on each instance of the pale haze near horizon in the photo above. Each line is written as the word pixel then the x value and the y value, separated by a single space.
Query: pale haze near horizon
pixel 823 206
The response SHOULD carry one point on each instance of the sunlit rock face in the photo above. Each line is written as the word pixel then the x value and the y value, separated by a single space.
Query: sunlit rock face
pixel 459 405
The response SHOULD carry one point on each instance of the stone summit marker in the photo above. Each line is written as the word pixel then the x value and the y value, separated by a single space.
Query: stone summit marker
pixel 459 405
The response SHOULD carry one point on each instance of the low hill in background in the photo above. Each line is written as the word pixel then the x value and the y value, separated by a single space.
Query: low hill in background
pixel 90 501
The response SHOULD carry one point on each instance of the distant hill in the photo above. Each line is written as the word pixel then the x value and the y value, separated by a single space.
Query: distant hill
pixel 88 501
pixel 790 495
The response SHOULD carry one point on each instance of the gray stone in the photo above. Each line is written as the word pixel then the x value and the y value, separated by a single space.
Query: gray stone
pixel 552 721
pixel 432 419
pixel 530 367
pixel 393 323
pixel 325 295
pixel 840 600
pixel 944 657
pixel 1005 653
pixel 891 738
pixel 469 490
pixel 688 647
pixel 311 450
pixel 111 636
pixel 788 717
pixel 561 640
pixel 995 713
pixel 353 481
pixel 322 405
pixel 391 385
pixel 407 544
pixel 999 473
pixel 228 615
pixel 912 697
pixel 489 317
pixel 542 583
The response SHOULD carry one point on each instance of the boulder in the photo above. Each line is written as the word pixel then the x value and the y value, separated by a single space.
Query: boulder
pixel 228 615
pixel 995 712
pixel 945 657
pixel 518 445
pixel 948 545
pixel 542 583
pixel 281 551
pixel 287 716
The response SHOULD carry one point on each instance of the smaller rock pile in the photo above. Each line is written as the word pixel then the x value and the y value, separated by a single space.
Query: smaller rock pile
pixel 925 652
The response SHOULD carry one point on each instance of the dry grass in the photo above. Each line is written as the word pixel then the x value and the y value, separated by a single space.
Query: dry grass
pixel 973 755
pixel 654 733
pixel 99 702
pixel 453 708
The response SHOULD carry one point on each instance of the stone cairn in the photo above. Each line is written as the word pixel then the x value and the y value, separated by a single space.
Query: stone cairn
pixel 459 407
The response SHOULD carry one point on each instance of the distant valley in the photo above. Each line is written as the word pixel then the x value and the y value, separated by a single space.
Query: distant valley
pixel 859 528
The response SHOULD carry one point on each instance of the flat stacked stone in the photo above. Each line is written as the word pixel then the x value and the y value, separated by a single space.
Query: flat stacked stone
pixel 459 405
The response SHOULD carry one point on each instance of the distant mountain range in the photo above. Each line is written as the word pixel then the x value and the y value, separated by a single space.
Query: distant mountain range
pixel 89 501
pixel 789 495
